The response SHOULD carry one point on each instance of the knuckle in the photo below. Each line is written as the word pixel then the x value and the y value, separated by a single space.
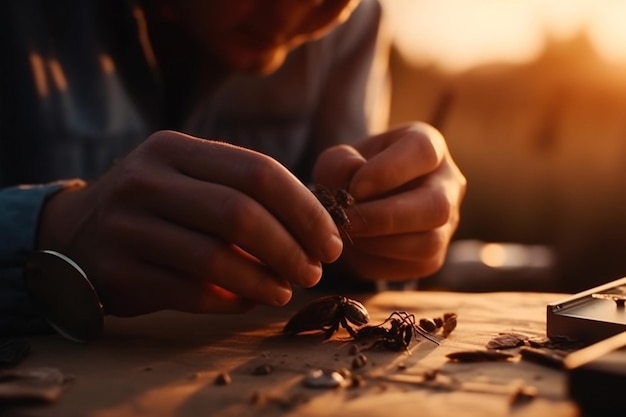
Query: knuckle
pixel 426 151
pixel 440 207
pixel 262 171
pixel 429 143
pixel 132 182
pixel 462 180
pixel 210 258
pixel 159 141
pixel 169 144
pixel 238 213
pixel 292 259
pixel 430 266
pixel 434 244
pixel 116 227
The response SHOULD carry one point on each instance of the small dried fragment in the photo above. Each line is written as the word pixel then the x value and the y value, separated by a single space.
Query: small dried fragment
pixel 357 381
pixel 324 378
pixel 479 356
pixel 507 341
pixel 354 349
pixel 264 369
pixel 446 316
pixel 449 324
pixel 345 372
pixel 438 322
pixel 523 394
pixel 431 374
pixel 258 398
pixel 223 378
pixel 556 342
pixel 542 357
pixel 428 325
pixel 359 362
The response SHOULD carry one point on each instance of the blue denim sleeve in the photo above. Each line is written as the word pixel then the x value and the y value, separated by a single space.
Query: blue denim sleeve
pixel 19 218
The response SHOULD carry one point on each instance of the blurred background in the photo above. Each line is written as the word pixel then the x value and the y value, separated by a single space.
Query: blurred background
pixel 531 96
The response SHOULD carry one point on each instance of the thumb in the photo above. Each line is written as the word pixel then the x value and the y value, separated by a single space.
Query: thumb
pixel 336 166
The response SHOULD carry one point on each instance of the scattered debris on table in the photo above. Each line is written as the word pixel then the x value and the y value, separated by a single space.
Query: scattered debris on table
pixel 397 333
pixel 544 351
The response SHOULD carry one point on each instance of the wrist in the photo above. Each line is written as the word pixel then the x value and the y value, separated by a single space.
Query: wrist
pixel 57 215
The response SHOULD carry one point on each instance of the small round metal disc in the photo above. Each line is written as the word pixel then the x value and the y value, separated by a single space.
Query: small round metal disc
pixel 64 296
pixel 324 378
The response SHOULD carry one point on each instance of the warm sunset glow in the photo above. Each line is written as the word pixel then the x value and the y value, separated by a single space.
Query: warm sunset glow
pixel 459 34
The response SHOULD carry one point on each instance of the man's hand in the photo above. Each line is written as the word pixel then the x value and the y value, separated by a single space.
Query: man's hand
pixel 194 225
pixel 408 192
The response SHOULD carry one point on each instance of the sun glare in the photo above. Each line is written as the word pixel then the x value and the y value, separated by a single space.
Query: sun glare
pixel 460 34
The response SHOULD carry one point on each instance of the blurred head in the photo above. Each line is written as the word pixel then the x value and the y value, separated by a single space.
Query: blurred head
pixel 256 35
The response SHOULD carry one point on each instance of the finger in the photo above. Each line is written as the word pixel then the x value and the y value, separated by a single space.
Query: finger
pixel 144 288
pixel 237 219
pixel 373 267
pixel 395 158
pixel 417 210
pixel 260 177
pixel 201 259
pixel 336 165
pixel 406 247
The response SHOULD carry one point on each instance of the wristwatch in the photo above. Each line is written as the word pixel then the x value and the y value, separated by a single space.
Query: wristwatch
pixel 64 295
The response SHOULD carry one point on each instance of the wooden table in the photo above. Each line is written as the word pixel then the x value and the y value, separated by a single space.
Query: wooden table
pixel 165 365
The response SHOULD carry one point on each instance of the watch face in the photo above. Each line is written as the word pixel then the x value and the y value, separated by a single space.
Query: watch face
pixel 64 296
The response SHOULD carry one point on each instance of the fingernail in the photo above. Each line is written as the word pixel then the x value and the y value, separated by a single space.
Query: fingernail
pixel 312 275
pixel 283 294
pixel 333 248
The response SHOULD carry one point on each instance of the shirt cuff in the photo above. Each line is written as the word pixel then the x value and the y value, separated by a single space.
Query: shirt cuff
pixel 20 208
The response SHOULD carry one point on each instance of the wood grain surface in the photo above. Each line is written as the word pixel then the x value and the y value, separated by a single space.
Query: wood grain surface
pixel 165 365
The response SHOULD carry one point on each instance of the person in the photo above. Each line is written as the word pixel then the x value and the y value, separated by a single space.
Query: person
pixel 167 147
